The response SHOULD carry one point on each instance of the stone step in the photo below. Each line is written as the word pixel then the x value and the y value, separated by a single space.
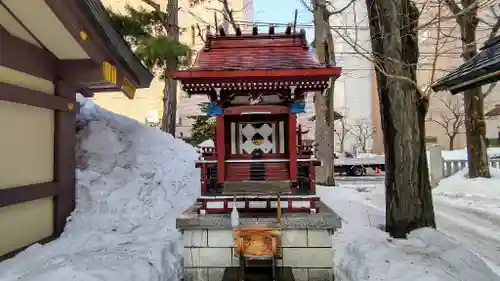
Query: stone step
pixel 256 187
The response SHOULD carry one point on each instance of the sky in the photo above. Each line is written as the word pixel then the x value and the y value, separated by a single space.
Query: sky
pixel 282 11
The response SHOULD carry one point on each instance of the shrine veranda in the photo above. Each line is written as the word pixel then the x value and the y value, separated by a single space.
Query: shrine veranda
pixel 257 85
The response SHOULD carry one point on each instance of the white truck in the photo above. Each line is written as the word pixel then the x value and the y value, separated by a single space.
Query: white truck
pixel 351 166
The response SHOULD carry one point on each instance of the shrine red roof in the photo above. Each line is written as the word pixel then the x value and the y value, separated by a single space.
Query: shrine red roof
pixel 242 62
pixel 255 52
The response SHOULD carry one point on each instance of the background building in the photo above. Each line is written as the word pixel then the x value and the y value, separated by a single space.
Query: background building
pixel 147 105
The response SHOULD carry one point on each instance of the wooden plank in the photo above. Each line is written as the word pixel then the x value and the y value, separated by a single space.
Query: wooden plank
pixel 26 193
pixel 21 95
pixel 20 55
pixel 64 156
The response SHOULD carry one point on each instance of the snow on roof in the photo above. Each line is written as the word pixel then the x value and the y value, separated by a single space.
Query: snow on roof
pixel 132 182
pixel 207 143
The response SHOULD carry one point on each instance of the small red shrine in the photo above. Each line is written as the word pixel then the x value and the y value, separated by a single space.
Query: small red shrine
pixel 257 84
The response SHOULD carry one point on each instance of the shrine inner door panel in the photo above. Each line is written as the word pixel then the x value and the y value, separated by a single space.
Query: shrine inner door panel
pixel 263 138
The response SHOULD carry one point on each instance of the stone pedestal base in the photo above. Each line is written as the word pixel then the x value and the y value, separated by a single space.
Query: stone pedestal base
pixel 306 243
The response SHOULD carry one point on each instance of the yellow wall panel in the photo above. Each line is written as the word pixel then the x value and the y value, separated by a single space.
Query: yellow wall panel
pixel 26 145
pixel 15 77
pixel 25 223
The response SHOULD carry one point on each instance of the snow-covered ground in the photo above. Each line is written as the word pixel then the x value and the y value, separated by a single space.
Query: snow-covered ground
pixel 132 182
pixel 461 154
pixel 467 211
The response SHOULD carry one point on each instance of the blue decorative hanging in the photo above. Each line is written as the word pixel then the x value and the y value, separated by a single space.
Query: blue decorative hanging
pixel 214 109
pixel 298 107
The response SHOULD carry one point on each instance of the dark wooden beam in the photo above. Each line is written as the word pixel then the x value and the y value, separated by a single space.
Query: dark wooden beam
pixel 22 56
pixel 91 77
pixel 21 194
pixel 17 94
pixel 64 158
pixel 272 109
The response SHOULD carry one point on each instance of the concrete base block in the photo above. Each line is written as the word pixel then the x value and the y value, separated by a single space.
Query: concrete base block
pixel 306 244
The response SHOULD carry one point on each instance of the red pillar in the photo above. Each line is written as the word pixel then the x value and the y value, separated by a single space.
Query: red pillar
pixel 220 147
pixel 292 145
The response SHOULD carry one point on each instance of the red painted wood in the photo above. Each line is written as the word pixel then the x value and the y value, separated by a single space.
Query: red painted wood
pixel 238 171
pixel 272 109
pixel 264 156
pixel 284 202
pixel 312 177
pixel 255 53
pixel 317 73
pixel 219 146
pixel 292 145
pixel 277 171
pixel 203 177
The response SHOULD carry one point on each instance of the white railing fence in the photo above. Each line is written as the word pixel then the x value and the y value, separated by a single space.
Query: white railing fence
pixel 439 168
pixel 452 166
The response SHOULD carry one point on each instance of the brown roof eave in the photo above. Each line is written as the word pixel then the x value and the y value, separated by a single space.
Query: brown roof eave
pixel 121 51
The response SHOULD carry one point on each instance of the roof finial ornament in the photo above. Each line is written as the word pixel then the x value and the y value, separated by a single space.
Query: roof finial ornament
pixel 238 30
pixel 271 29
pixel 288 30
pixel 255 30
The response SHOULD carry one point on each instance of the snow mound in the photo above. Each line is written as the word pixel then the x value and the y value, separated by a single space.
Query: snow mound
pixel 132 181
pixel 461 154
pixel 427 255
pixel 363 252
pixel 207 143
pixel 478 193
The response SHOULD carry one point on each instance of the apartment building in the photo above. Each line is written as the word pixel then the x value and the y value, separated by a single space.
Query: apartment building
pixel 147 105
pixel 356 90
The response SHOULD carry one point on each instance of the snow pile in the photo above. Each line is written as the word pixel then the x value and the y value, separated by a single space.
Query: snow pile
pixel 461 154
pixel 364 252
pixel 427 255
pixel 480 194
pixel 207 143
pixel 132 181
pixel 366 155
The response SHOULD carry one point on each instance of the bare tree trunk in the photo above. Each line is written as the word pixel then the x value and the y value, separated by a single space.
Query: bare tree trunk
pixel 168 122
pixel 475 126
pixel 325 125
pixel 451 140
pixel 342 141
pixel 403 109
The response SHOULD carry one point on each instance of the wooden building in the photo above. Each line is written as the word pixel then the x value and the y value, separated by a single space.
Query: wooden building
pixel 257 85
pixel 49 51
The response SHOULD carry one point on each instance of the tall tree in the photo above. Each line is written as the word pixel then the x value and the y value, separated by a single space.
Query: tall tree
pixel 203 127
pixel 451 118
pixel 393 30
pixel 154 35
pixel 323 102
pixel 362 130
pixel 475 125
pixel 343 129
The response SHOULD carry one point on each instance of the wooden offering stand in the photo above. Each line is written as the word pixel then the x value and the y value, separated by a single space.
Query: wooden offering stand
pixel 258 242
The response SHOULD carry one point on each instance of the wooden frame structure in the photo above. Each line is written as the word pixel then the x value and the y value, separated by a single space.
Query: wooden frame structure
pixel 49 51
pixel 257 84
